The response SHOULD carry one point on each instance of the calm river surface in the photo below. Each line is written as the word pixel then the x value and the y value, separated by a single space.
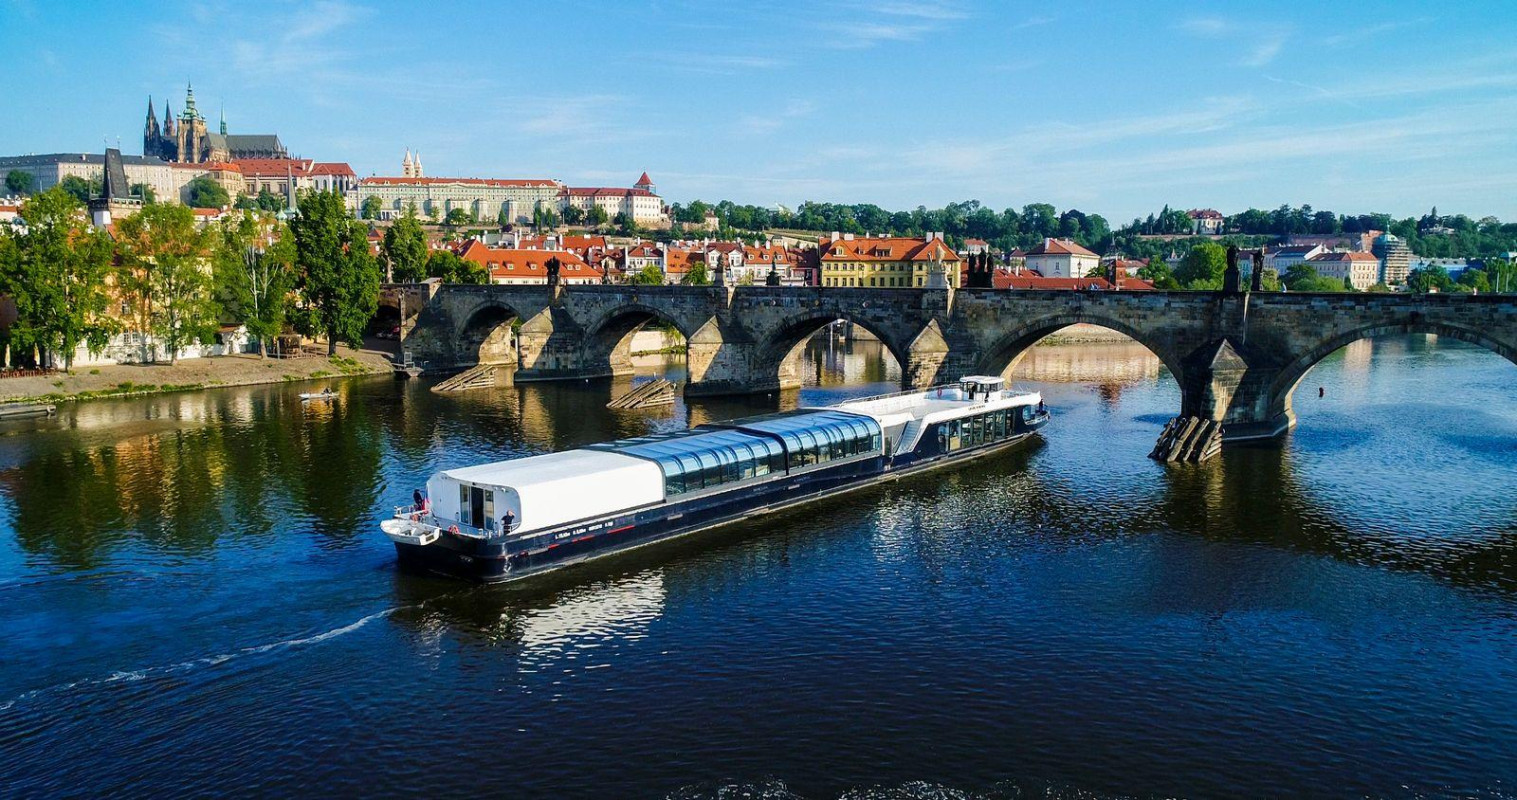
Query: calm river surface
pixel 195 599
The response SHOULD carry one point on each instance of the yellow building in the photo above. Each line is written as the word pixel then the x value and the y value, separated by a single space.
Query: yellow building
pixel 887 262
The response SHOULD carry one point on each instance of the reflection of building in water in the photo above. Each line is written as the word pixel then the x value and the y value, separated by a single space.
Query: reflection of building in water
pixel 618 610
pixel 833 360
pixel 1109 363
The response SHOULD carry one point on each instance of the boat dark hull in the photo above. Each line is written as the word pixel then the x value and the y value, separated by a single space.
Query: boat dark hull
pixel 496 560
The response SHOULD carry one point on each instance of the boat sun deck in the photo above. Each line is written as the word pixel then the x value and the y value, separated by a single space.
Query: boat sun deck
pixel 968 392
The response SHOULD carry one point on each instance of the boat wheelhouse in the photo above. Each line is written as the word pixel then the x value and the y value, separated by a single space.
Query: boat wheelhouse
pixel 508 519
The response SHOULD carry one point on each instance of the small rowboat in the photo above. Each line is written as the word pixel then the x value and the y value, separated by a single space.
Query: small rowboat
pixel 324 394
pixel 407 532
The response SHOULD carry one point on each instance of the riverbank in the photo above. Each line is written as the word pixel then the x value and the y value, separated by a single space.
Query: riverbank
pixel 126 380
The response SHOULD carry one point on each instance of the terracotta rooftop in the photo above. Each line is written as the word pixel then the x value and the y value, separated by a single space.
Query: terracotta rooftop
pixel 1063 247
pixel 507 263
pixel 503 183
pixel 886 248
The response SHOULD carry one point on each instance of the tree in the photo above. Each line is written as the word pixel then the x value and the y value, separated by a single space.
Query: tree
pixel 625 224
pixel 544 219
pixel 405 249
pixel 449 268
pixel 1305 278
pixel 20 183
pixel 254 276
pixel 55 271
pixel 1203 266
pixel 270 202
pixel 145 193
pixel 596 216
pixel 1157 272
pixel 165 277
pixel 371 207
pixel 573 215
pixel 205 192
pixel 457 217
pixel 697 275
pixel 1431 278
pixel 502 220
pixel 336 276
pixel 79 188
pixel 649 275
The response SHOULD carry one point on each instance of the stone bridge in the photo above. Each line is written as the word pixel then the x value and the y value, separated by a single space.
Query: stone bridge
pixel 1236 356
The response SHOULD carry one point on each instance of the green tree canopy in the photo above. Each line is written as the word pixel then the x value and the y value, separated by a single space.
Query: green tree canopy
pixel 405 249
pixel 254 276
pixel 596 217
pixel 80 189
pixel 649 275
pixel 20 183
pixel 1431 278
pixel 449 268
pixel 697 275
pixel 145 193
pixel 337 277
pixel 205 192
pixel 165 270
pixel 457 217
pixel 371 207
pixel 1157 272
pixel 1202 267
pixel 1305 278
pixel 55 272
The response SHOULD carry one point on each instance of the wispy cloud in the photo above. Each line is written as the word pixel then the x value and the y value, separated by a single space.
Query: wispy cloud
pixel 720 63
pixel 1368 33
pixel 767 122
pixel 1031 22
pixel 890 21
pixel 1259 43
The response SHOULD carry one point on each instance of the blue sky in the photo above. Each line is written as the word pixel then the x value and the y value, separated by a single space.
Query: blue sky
pixel 1113 108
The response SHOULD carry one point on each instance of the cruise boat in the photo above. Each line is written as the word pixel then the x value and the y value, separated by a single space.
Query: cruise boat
pixel 510 519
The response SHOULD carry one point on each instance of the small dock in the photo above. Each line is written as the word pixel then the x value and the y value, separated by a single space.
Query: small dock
pixel 17 410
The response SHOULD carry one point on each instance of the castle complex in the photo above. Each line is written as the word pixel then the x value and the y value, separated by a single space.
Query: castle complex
pixel 189 140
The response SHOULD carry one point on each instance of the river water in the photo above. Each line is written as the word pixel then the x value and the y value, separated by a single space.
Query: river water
pixel 195 599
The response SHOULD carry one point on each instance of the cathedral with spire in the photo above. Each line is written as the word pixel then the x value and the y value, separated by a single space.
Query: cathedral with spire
pixel 189 139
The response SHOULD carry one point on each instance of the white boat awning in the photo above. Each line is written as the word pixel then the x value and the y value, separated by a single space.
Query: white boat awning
pixel 557 488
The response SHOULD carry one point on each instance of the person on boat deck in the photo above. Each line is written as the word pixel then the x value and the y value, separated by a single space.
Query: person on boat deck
pixel 419 500
pixel 506 521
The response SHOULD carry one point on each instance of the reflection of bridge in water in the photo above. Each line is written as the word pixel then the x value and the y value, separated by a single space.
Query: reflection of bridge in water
pixel 1236 357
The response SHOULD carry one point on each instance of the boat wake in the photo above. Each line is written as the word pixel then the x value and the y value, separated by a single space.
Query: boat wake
pixel 183 667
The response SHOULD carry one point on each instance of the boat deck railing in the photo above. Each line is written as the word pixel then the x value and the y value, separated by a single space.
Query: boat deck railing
pixel 427 519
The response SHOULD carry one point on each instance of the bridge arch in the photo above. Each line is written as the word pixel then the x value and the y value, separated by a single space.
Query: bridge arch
pixel 607 347
pixel 779 352
pixel 1006 350
pixel 485 335
pixel 1290 376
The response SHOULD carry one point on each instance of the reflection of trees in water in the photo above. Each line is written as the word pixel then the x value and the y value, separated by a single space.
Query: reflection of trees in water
pixel 183 488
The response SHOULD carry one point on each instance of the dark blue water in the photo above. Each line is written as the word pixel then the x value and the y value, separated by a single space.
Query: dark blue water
pixel 195 599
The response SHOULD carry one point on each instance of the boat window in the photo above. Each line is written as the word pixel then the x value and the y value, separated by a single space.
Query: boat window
pixel 463 502
pixel 489 510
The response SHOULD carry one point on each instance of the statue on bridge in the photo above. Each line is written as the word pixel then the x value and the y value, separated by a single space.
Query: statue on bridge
pixel 1232 279
pixel 553 266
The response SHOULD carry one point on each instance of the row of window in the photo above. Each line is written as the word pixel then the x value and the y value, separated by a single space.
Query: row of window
pixel 739 458
pixel 887 282
pixel 992 426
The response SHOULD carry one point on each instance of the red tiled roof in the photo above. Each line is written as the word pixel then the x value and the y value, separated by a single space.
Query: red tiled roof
pixel 333 168
pixel 1060 247
pixel 604 191
pixel 505 183
pixel 1351 256
pixel 886 248
pixel 644 179
pixel 274 166
pixel 506 263
pixel 1204 213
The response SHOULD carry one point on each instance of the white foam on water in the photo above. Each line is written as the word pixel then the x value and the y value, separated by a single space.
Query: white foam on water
pixel 133 676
